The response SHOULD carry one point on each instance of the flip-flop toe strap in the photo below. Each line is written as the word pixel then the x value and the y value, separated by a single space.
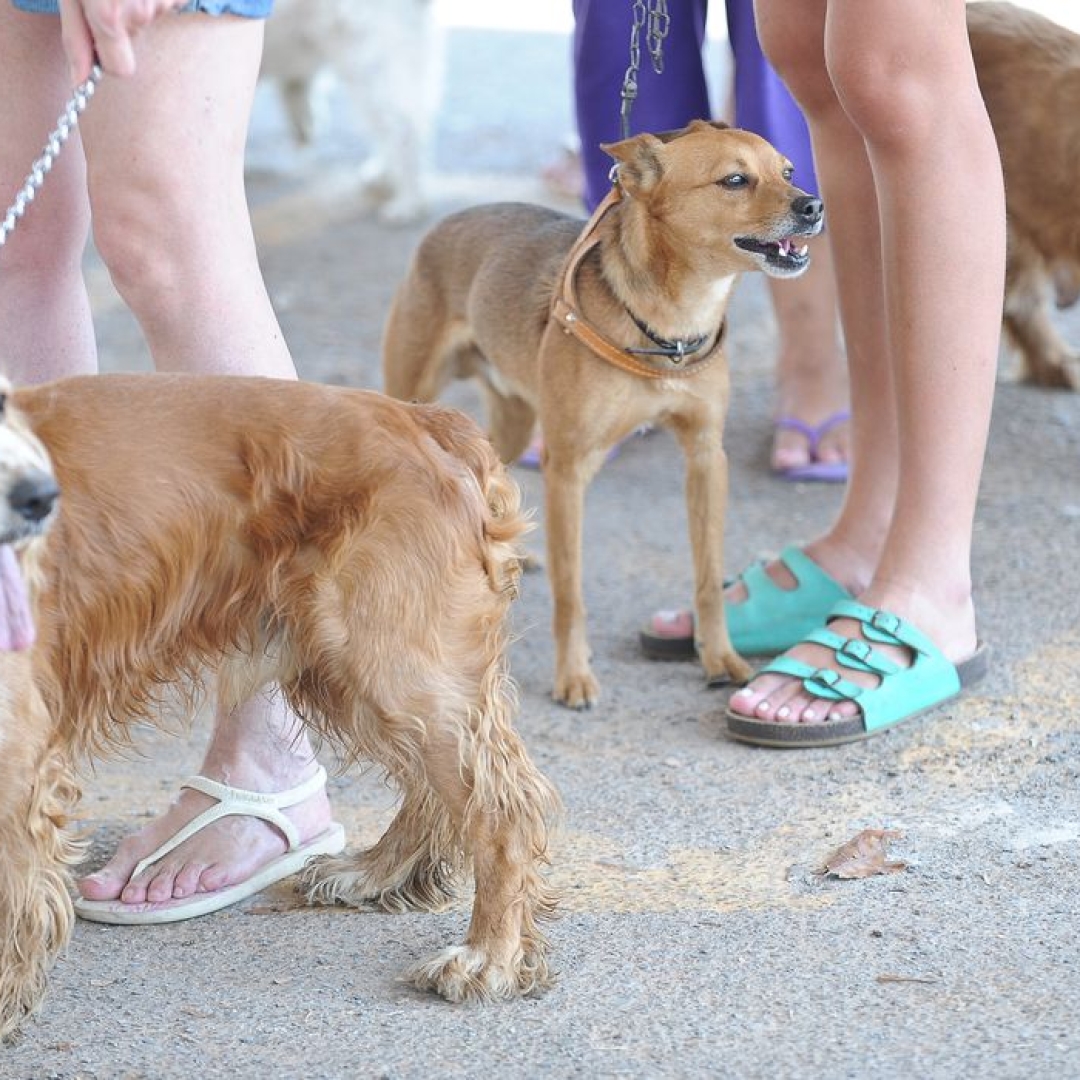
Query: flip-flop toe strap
pixel 233 802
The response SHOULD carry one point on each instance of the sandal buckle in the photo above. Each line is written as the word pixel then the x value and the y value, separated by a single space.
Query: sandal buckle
pixel 885 621
pixel 856 650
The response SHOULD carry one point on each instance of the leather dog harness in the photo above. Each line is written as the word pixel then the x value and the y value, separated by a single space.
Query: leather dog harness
pixel 566 312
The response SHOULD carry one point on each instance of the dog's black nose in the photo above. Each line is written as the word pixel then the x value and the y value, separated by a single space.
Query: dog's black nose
pixel 808 208
pixel 34 496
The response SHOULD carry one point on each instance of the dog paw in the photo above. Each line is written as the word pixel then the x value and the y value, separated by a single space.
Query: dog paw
pixel 577 691
pixel 329 880
pixel 332 881
pixel 465 973
pixel 730 669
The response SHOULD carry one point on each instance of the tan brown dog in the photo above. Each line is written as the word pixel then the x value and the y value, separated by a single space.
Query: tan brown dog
pixel 600 331
pixel 357 552
pixel 1029 73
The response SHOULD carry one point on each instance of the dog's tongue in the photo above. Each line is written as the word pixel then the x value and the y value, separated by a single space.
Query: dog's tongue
pixel 16 625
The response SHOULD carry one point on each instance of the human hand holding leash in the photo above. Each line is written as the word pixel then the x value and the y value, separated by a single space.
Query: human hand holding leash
pixel 107 29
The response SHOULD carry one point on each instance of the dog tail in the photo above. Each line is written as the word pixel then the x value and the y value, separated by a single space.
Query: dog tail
pixel 504 523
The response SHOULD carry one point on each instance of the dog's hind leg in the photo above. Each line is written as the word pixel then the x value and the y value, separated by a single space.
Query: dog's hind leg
pixel 1047 359
pixel 511 422
pixel 411 868
pixel 503 804
pixel 471 793
pixel 419 343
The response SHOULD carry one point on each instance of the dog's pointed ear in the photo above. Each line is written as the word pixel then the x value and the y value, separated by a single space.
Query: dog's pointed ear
pixel 694 125
pixel 639 160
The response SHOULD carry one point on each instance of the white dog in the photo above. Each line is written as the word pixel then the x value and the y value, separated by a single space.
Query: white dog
pixel 388 58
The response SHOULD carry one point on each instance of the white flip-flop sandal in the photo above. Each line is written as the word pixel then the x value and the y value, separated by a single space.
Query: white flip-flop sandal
pixel 231 801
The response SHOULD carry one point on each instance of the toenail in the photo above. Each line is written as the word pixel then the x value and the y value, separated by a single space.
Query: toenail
pixel 783 712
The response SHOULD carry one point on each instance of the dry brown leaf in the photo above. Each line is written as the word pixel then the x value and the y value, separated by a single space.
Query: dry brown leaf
pixel 864 856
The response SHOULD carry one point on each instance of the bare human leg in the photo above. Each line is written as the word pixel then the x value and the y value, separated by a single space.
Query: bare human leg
pixel 811 373
pixel 204 308
pixel 179 247
pixel 920 274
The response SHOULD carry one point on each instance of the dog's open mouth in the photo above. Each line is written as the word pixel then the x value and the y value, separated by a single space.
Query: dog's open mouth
pixel 781 257
pixel 16 622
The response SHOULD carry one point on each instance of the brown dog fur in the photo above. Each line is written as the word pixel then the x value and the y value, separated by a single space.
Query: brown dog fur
pixel 475 303
pixel 358 552
pixel 1029 73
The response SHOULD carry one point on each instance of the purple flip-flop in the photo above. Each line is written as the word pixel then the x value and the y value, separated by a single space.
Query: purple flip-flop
pixel 530 459
pixel 831 472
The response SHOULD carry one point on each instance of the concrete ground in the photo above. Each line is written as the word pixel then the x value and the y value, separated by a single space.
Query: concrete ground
pixel 698 938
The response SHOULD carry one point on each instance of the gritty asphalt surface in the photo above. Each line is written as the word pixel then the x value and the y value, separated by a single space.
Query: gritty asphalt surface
pixel 698 938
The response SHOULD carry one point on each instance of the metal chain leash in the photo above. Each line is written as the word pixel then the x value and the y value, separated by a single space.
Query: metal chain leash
pixel 65 125
pixel 654 19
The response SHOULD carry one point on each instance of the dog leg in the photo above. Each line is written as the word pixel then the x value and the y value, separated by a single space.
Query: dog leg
pixel 706 504
pixel 392 177
pixel 305 107
pixel 511 421
pixel 566 478
pixel 419 349
pixel 503 813
pixel 409 869
pixel 36 853
pixel 1047 359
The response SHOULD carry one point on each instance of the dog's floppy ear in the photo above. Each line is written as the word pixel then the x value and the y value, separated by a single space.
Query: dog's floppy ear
pixel 639 161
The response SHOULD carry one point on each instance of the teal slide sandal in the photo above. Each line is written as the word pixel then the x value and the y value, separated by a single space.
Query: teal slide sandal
pixel 770 620
pixel 900 694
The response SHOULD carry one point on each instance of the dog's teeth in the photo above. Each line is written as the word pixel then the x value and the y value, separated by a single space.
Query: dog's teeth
pixel 803 250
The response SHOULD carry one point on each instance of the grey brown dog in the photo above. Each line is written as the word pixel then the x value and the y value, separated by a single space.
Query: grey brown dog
pixel 598 331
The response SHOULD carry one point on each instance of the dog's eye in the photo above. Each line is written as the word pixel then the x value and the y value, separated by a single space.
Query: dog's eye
pixel 732 181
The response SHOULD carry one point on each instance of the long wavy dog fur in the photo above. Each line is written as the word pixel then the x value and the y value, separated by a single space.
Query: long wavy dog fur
pixel 231 533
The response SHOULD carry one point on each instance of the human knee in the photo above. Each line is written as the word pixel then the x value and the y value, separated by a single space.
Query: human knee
pixel 889 105
pixel 141 250
pixel 797 54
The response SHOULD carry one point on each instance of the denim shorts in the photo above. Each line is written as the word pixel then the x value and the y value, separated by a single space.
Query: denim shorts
pixel 251 9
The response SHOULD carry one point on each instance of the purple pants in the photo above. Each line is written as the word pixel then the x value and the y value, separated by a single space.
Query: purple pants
pixel 679 95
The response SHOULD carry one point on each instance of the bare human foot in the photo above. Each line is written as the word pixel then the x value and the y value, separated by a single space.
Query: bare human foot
pixel 811 425
pixel 258 748
pixel 845 568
